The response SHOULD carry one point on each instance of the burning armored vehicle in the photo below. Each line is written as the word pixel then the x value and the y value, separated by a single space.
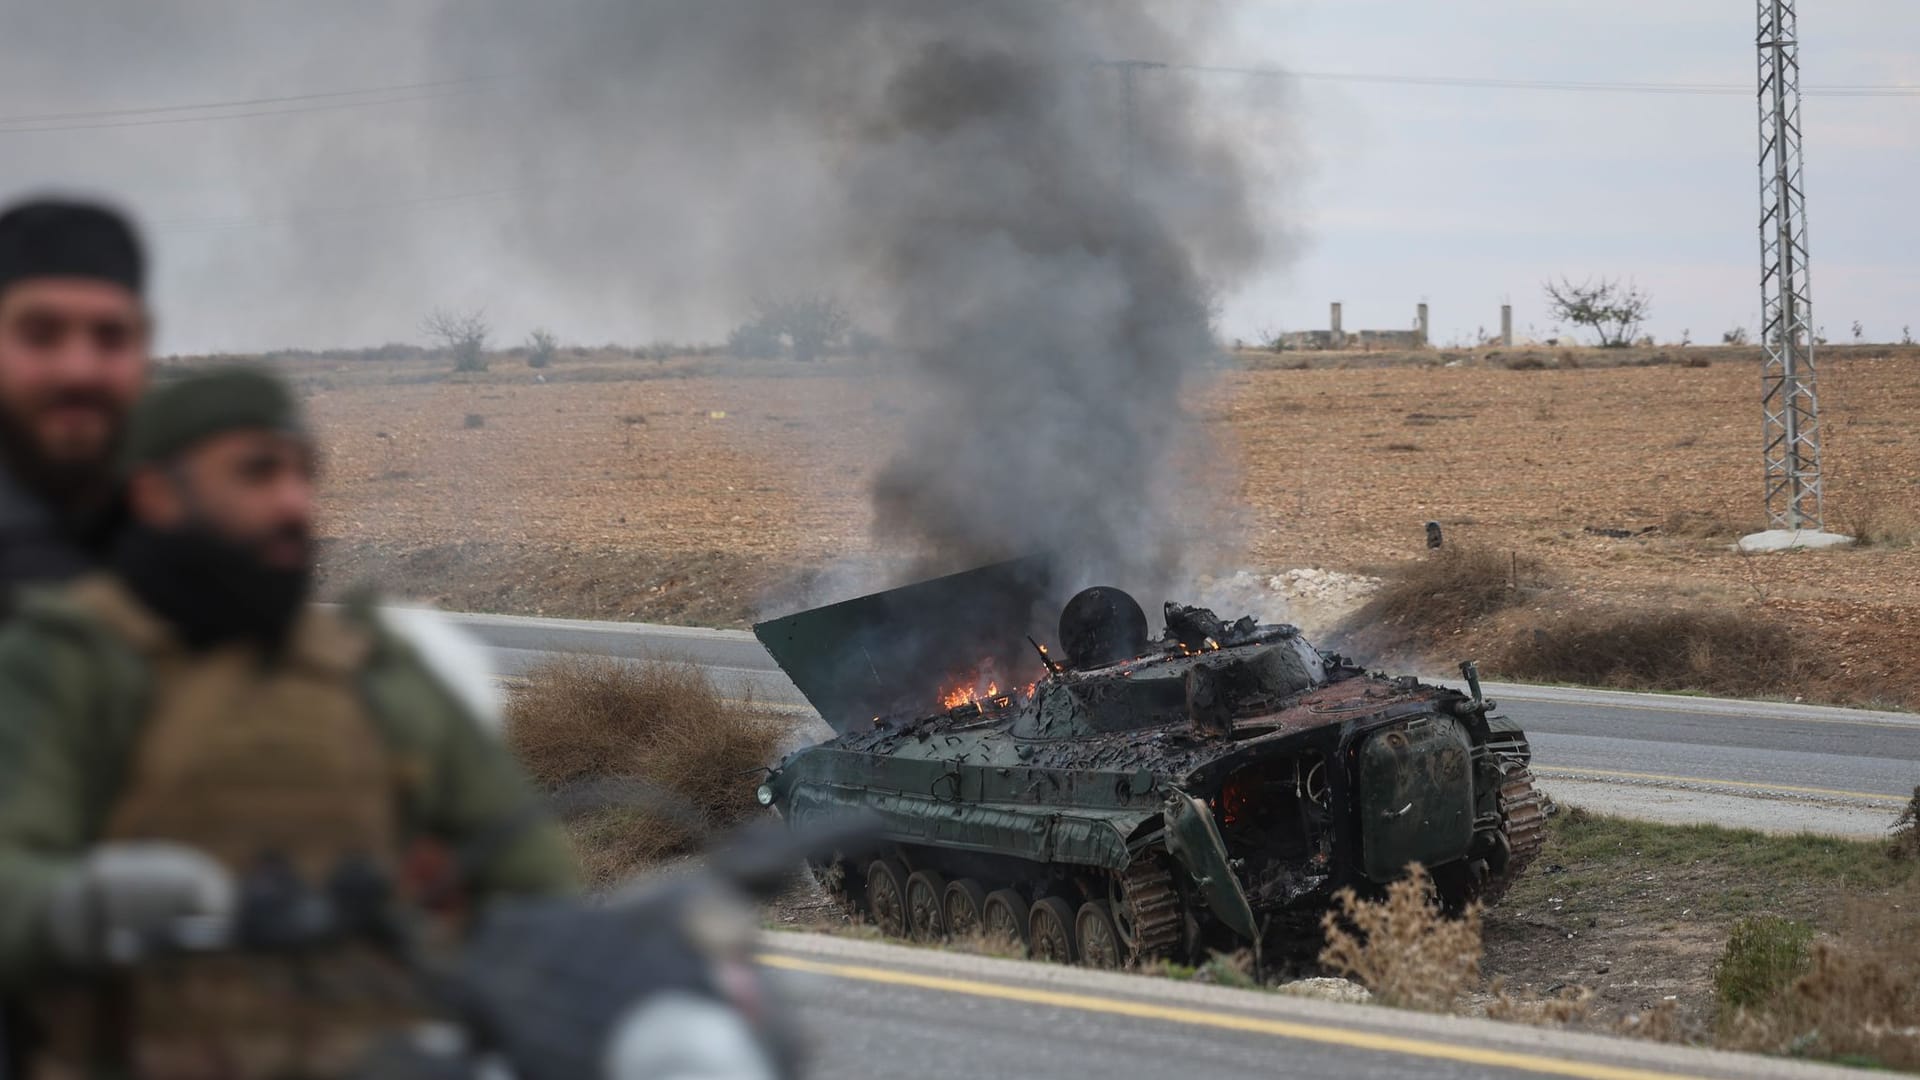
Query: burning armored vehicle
pixel 1137 799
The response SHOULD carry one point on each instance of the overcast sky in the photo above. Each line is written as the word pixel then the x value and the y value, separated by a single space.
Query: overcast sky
pixel 1466 197
pixel 1394 194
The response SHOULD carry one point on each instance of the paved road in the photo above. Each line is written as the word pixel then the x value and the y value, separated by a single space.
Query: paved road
pixel 868 1009
pixel 1768 764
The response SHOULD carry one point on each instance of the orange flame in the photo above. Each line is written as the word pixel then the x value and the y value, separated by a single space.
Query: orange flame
pixel 981 687
pixel 969 695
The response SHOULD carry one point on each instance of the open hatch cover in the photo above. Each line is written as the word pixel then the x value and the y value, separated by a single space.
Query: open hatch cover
pixel 889 652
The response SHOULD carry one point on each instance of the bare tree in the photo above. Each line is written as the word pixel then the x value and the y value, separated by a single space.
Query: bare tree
pixel 542 347
pixel 811 326
pixel 461 333
pixel 1612 310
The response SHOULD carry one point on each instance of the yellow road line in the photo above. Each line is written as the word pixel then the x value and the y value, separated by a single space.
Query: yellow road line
pixel 1560 770
pixel 1140 1010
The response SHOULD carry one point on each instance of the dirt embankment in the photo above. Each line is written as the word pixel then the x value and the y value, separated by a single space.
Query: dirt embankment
pixel 710 491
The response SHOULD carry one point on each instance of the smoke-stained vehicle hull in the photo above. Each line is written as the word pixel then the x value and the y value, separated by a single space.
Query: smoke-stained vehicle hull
pixel 1147 800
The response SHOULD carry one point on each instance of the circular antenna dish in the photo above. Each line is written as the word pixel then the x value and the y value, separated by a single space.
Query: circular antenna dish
pixel 1101 626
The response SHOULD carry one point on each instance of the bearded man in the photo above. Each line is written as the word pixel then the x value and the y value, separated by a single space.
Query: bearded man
pixel 74 335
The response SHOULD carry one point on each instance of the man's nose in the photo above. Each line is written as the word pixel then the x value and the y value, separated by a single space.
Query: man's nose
pixel 293 500
pixel 78 358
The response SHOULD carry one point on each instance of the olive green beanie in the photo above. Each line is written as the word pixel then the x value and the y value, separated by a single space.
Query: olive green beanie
pixel 179 413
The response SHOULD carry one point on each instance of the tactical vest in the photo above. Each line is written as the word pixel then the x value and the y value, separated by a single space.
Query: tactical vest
pixel 245 759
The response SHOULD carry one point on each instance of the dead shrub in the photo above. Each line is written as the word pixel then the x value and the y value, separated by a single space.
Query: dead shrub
pixel 1865 515
pixel 980 943
pixel 1524 362
pixel 1404 948
pixel 1456 583
pixel 1568 1005
pixel 587 718
pixel 1904 837
pixel 1661 1023
pixel 1857 1000
pixel 1729 652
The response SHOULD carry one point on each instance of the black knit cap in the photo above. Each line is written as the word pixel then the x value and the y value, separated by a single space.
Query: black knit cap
pixel 56 238
pixel 181 412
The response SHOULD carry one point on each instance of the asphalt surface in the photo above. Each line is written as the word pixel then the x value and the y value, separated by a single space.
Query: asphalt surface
pixel 1765 764
pixel 866 1009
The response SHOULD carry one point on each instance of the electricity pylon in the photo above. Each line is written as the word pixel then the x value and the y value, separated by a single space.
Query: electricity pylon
pixel 1792 434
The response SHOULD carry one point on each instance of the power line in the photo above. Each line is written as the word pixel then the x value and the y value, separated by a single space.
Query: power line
pixel 102 114
pixel 1558 85
pixel 401 93
pixel 170 120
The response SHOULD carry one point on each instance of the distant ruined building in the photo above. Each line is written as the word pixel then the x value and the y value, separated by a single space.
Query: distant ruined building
pixel 1336 336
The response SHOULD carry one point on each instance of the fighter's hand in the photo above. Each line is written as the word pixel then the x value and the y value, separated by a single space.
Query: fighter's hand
pixel 125 898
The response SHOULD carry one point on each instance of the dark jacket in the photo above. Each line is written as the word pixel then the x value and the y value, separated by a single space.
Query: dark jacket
pixel 38 546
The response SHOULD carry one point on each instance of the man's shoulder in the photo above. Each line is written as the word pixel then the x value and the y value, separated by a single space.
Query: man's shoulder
pixel 424 655
pixel 55 638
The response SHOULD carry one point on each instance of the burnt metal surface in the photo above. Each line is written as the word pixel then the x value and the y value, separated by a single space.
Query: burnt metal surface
pixel 1231 758
pixel 868 656
pixel 1102 625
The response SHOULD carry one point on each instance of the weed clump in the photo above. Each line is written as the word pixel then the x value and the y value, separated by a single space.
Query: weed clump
pixel 1904 837
pixel 1733 652
pixel 581 721
pixel 1763 956
pixel 1455 583
pixel 1404 948
pixel 1855 998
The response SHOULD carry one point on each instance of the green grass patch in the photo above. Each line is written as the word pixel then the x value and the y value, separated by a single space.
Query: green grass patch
pixel 1763 859
pixel 1764 955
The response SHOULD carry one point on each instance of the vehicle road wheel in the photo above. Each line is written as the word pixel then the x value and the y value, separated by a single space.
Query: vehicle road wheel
pixel 1050 930
pixel 887 896
pixel 1096 936
pixel 1003 916
pixel 926 919
pixel 963 904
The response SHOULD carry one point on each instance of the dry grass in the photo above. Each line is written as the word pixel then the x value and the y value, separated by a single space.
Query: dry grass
pixel 1702 524
pixel 1865 513
pixel 1661 1023
pixel 1457 582
pixel 1568 1005
pixel 1856 999
pixel 1735 652
pixel 1234 969
pixel 1425 600
pixel 580 719
pixel 1404 948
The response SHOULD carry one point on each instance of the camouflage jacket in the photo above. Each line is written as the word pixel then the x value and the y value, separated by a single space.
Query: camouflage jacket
pixel 71 712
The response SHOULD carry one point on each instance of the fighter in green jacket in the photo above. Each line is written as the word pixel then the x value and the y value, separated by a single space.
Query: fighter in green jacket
pixel 171 723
